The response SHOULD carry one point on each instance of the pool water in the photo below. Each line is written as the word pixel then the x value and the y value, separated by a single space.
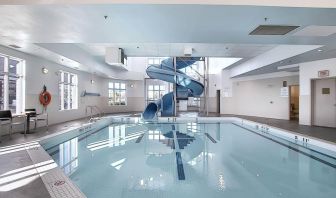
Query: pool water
pixel 192 160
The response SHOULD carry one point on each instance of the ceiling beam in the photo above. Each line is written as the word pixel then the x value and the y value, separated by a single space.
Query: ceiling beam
pixel 276 54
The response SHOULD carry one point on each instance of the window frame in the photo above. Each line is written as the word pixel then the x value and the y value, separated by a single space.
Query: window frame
pixel 115 100
pixel 71 87
pixel 19 78
pixel 155 89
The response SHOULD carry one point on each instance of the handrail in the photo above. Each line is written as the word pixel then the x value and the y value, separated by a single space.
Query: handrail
pixel 91 109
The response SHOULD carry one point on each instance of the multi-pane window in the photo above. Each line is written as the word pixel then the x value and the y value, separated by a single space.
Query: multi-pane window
pixel 117 93
pixel 155 135
pixel 68 91
pixel 155 60
pixel 11 84
pixel 155 92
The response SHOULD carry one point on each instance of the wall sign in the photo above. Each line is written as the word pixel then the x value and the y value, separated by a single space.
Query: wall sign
pixel 325 90
pixel 284 91
pixel 323 73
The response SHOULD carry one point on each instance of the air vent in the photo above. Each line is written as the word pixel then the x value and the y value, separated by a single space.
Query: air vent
pixel 273 30
pixel 14 46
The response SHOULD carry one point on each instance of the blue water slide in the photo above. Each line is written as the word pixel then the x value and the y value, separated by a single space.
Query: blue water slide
pixel 185 85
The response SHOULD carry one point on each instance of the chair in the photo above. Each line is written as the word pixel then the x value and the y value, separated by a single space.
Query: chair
pixel 6 118
pixel 35 117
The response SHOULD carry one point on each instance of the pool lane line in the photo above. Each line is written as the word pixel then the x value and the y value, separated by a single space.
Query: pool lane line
pixel 139 138
pixel 290 147
pixel 179 165
pixel 318 152
pixel 210 138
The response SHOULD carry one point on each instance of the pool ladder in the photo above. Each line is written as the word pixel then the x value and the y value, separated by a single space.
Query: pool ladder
pixel 93 113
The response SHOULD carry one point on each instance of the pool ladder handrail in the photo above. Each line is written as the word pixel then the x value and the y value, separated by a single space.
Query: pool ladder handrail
pixel 91 109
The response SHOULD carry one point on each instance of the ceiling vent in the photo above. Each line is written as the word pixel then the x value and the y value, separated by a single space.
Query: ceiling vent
pixel 188 51
pixel 273 30
pixel 115 56
pixel 14 46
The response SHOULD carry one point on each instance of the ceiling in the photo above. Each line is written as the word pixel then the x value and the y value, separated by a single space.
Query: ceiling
pixel 284 3
pixel 165 30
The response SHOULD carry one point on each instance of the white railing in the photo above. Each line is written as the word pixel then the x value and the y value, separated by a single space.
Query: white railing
pixel 93 112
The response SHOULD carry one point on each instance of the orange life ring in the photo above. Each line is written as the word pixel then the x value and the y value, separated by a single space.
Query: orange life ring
pixel 45 98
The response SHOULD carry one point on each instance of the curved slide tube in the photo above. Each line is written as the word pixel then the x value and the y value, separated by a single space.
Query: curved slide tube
pixel 185 85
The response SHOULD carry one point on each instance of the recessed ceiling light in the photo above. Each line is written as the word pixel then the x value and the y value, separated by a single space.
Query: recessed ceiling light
pixel 320 50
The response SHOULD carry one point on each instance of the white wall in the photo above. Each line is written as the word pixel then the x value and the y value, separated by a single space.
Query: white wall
pixel 35 80
pixel 214 85
pixel 309 71
pixel 255 97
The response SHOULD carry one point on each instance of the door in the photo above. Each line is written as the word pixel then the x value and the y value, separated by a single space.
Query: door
pixel 294 102
pixel 324 105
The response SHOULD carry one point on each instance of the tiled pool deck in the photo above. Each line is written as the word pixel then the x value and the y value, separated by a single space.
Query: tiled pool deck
pixel 26 170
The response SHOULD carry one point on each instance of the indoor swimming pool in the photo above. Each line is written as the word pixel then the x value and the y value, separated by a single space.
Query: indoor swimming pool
pixel 191 160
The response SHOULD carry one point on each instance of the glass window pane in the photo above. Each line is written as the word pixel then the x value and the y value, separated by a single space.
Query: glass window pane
pixel 60 77
pixel 150 87
pixel 12 94
pixel 73 97
pixel 123 86
pixel 123 97
pixel 156 87
pixel 111 98
pixel 156 95
pixel 2 64
pixel 150 95
pixel 162 93
pixel 66 77
pixel 111 85
pixel 73 79
pixel 66 97
pixel 60 85
pixel 156 61
pixel 150 61
pixel 162 87
pixel 12 66
pixel 117 85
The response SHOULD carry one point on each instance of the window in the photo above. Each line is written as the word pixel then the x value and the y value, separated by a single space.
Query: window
pixel 155 92
pixel 155 60
pixel 12 84
pixel 195 71
pixel 155 135
pixel 117 93
pixel 68 91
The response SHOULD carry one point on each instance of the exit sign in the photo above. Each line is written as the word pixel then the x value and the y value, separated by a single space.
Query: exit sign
pixel 323 73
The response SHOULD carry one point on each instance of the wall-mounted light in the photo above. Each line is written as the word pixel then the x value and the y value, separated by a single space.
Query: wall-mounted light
pixel 44 70
pixel 131 85
pixel 92 81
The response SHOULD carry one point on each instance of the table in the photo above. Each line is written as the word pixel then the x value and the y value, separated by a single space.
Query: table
pixel 29 114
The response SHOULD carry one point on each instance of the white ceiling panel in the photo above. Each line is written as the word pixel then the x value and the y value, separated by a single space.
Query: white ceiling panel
pixel 316 30
pixel 177 49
